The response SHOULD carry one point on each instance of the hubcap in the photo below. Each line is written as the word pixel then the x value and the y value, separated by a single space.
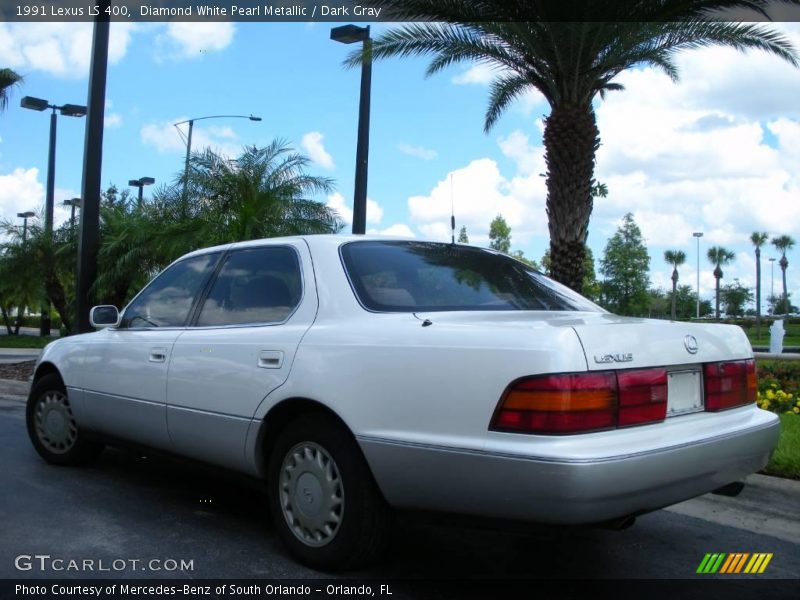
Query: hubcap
pixel 55 425
pixel 311 494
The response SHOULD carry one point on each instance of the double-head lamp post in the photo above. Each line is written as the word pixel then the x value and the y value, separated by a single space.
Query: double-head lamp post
pixel 25 216
pixel 140 183
pixel 67 110
pixel 189 140
pixel 349 34
pixel 73 203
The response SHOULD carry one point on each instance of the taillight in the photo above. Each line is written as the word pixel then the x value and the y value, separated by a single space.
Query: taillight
pixel 559 404
pixel 581 402
pixel 729 384
pixel 642 396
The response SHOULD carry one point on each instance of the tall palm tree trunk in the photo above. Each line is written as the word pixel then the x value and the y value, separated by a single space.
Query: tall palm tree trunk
pixel 674 290
pixel 571 139
pixel 717 277
pixel 758 293
pixel 784 264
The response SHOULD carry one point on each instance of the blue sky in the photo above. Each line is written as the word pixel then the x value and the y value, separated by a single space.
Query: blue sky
pixel 718 152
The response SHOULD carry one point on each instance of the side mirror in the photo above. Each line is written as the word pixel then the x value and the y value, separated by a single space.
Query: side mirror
pixel 104 316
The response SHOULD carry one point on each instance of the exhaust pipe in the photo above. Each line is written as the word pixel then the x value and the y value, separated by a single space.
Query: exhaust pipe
pixel 619 524
pixel 731 490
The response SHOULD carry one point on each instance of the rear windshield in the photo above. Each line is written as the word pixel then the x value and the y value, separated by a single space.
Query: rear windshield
pixel 426 276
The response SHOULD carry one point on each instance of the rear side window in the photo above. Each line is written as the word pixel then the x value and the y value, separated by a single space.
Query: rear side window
pixel 169 297
pixel 426 276
pixel 256 285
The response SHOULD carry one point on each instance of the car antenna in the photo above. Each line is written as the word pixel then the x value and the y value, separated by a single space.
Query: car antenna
pixel 452 214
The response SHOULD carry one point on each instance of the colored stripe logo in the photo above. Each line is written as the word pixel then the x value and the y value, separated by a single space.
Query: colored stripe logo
pixel 734 563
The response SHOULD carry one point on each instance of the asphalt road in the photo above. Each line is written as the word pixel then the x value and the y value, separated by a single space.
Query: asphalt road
pixel 128 507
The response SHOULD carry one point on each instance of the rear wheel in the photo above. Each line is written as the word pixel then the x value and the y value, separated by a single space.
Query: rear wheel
pixel 52 427
pixel 324 502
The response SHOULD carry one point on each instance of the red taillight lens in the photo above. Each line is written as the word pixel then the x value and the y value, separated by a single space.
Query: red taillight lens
pixel 559 404
pixel 642 396
pixel 729 384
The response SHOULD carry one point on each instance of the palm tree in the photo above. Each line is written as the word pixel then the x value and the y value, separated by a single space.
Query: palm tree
pixel 676 258
pixel 8 79
pixel 265 192
pixel 570 52
pixel 719 256
pixel 783 243
pixel 759 238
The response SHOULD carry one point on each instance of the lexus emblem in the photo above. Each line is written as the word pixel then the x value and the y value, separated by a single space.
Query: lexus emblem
pixel 690 342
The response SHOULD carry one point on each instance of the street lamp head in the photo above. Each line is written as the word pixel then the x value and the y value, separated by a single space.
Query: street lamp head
pixel 698 234
pixel 134 182
pixel 34 103
pixel 147 180
pixel 349 34
pixel 72 202
pixel 30 213
pixel 73 110
pixel 252 118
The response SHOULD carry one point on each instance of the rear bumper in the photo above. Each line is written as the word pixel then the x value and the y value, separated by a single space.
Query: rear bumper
pixel 578 489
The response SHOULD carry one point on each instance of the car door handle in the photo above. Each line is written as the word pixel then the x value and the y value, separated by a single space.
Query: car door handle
pixel 270 359
pixel 158 355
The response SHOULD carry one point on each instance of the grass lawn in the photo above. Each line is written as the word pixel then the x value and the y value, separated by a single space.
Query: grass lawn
pixel 24 341
pixel 786 460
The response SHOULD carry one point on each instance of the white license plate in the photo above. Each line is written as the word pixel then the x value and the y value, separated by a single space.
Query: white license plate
pixel 684 392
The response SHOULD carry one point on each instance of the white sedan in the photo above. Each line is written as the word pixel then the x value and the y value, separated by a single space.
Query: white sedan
pixel 358 375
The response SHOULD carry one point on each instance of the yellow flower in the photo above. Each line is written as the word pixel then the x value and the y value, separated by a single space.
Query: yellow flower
pixel 796 410
pixel 770 395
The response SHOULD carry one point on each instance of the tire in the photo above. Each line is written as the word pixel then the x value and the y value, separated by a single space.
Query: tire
pixel 314 458
pixel 52 427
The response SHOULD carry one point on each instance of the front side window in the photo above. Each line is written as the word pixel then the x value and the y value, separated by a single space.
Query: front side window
pixel 426 276
pixel 255 285
pixel 166 302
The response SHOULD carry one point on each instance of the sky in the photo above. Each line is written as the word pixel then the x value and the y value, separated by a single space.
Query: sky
pixel 718 152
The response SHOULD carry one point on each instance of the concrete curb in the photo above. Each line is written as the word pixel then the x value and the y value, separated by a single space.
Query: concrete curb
pixel 13 389
pixel 32 352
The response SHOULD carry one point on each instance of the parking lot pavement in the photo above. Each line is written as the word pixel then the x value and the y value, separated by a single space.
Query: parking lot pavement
pixel 133 506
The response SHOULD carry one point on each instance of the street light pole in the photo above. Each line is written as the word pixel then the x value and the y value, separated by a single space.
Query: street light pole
pixel 140 183
pixel 772 278
pixel 24 216
pixel 89 244
pixel 73 203
pixel 698 235
pixel 189 139
pixel 348 34
pixel 69 110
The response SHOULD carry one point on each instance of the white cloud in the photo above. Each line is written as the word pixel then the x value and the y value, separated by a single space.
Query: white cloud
pixel 61 49
pixel 481 74
pixel 479 193
pixel 396 230
pixel 417 151
pixel 113 120
pixel 20 191
pixel 165 138
pixel 312 144
pixel 337 202
pixel 193 39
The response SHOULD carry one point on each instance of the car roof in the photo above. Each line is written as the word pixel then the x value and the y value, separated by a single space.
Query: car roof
pixel 314 241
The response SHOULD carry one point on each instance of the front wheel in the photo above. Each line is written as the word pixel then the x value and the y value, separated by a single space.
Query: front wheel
pixel 324 502
pixel 52 427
